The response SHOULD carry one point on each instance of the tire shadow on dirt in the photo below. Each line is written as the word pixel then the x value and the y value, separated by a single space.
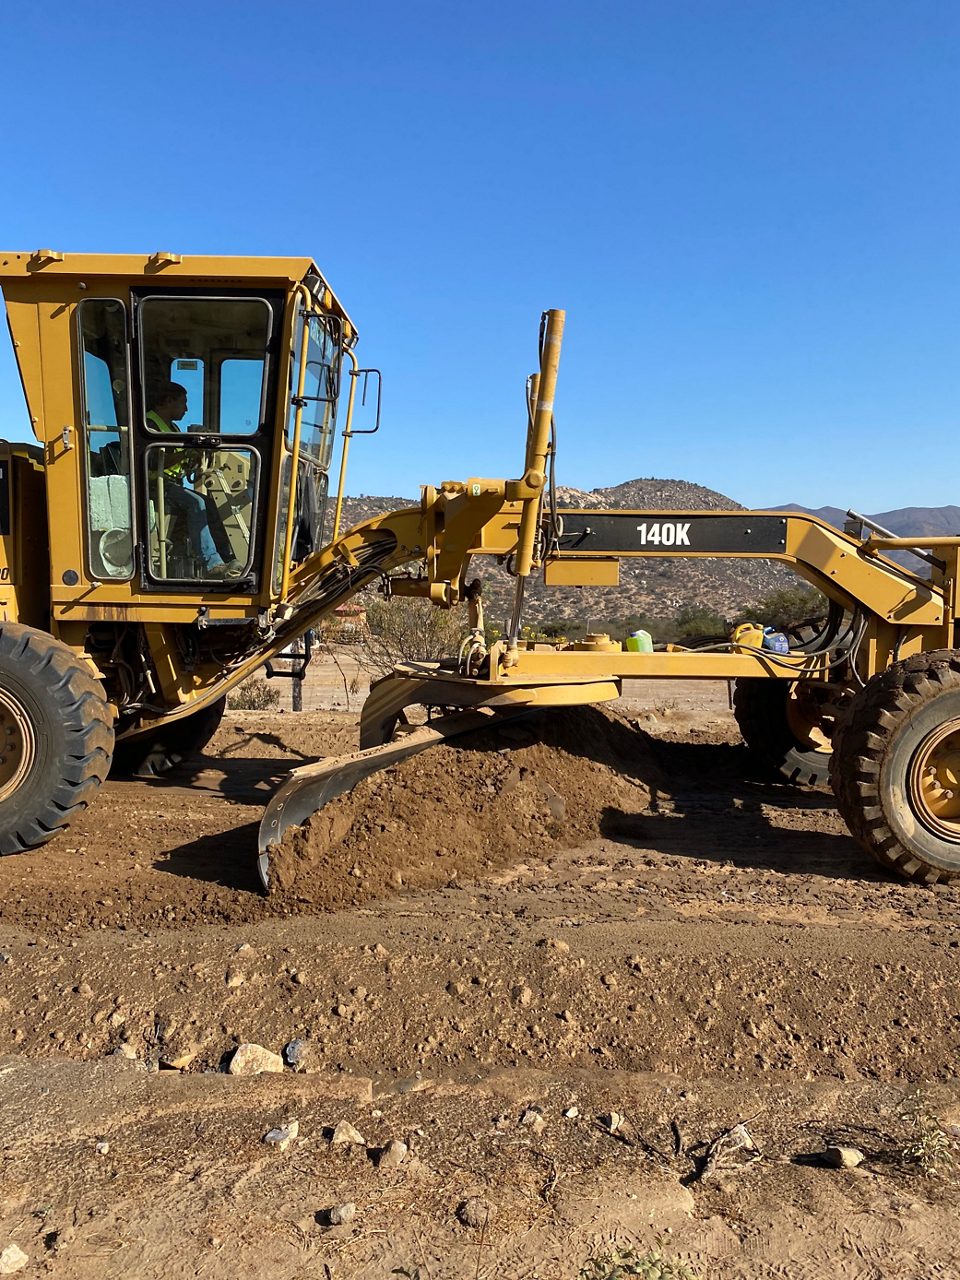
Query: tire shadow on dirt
pixel 750 842
pixel 242 780
pixel 714 809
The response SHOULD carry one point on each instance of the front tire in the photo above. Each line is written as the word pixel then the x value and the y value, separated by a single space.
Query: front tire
pixel 56 737
pixel 896 767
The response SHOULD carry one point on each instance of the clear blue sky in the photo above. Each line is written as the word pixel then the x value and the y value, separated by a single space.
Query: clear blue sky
pixel 748 208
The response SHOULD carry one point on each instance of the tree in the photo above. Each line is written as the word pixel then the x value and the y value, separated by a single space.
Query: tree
pixel 697 620
pixel 786 607
pixel 405 629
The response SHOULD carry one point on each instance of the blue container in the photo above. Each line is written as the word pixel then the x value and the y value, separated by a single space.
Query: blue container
pixel 775 641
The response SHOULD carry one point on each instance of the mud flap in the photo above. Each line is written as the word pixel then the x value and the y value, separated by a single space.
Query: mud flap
pixel 308 789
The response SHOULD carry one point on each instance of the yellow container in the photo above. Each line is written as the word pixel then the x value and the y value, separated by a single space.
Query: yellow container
pixel 749 635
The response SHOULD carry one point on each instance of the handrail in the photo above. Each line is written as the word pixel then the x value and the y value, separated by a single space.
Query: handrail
pixel 295 452
pixel 347 437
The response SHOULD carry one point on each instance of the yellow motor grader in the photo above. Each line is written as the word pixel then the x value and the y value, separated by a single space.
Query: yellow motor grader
pixel 173 529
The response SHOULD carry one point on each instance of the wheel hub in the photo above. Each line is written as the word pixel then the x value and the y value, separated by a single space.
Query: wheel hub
pixel 804 718
pixel 934 782
pixel 18 744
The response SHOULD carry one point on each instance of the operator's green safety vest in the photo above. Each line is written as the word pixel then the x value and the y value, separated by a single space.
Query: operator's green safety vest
pixel 175 470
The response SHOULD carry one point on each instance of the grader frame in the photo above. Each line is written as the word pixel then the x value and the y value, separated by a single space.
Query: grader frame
pixel 163 645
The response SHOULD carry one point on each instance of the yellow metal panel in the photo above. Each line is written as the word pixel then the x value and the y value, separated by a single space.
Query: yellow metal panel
pixel 887 590
pixel 692 665
pixel 145 269
pixel 581 572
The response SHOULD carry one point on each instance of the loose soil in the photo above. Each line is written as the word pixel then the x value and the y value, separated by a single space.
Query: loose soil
pixel 592 916
pixel 473 805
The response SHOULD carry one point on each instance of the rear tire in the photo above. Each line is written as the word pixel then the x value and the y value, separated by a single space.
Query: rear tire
pixel 155 753
pixel 896 767
pixel 56 737
pixel 774 728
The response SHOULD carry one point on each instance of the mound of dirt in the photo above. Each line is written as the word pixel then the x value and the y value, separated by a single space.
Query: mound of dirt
pixel 467 807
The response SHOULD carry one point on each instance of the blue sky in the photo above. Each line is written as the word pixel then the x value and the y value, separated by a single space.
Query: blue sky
pixel 749 210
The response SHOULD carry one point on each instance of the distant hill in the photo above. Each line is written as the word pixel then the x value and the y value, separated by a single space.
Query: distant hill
pixel 904 522
pixel 931 522
pixel 658 588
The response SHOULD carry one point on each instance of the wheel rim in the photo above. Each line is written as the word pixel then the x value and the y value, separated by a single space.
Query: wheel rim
pixel 935 782
pixel 804 725
pixel 18 744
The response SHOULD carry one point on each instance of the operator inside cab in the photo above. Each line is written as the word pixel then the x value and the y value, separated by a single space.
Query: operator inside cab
pixel 195 529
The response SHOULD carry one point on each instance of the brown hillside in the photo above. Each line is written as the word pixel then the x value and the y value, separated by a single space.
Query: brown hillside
pixel 658 587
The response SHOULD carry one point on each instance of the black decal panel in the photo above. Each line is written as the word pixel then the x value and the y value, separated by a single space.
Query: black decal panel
pixel 656 532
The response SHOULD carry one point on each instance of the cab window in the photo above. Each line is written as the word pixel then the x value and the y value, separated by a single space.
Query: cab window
pixel 205 369
pixel 105 391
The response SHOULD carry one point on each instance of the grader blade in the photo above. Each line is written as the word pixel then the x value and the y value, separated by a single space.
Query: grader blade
pixel 308 789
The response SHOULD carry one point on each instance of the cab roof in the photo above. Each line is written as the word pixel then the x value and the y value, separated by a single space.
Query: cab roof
pixel 137 268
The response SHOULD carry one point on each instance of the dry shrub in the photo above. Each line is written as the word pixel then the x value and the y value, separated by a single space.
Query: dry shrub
pixel 404 629
pixel 253 694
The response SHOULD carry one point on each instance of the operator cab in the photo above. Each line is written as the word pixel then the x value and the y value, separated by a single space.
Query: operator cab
pixel 190 402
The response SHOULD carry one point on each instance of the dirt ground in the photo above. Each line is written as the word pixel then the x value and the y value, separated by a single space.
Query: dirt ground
pixel 589 960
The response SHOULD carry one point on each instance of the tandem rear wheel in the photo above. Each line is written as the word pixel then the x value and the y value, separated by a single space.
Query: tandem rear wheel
pixel 896 767
pixel 150 755
pixel 780 721
pixel 56 737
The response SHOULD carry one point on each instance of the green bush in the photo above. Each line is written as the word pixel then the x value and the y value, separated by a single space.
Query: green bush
pixel 628 1265
pixel 786 607
pixel 253 695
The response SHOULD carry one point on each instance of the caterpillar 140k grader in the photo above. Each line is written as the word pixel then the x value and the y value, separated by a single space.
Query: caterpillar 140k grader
pixel 171 531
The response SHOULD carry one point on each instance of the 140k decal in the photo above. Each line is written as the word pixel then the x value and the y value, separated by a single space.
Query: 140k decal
pixel 664 534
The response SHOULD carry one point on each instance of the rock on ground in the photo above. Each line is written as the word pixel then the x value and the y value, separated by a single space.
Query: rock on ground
pixel 253 1059
pixel 12 1259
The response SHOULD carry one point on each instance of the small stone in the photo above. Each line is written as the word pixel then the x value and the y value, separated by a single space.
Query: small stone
pixel 252 1059
pixel 244 946
pixel 123 1051
pixel 475 1212
pixel 533 1119
pixel 282 1137
pixel 396 879
pixel 5 957
pixel 571 1113
pixel 235 978
pixel 612 1121
pixel 609 979
pixel 843 1157
pixel 179 1057
pixel 555 944
pixel 84 989
pixel 392 1155
pixel 341 1214
pixel 297 977
pixel 556 805
pixel 346 1135
pixel 12 1259
pixel 523 996
pixel 103 1148
pixel 295 1053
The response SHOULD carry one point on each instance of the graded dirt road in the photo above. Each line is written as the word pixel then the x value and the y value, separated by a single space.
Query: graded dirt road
pixel 621 921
